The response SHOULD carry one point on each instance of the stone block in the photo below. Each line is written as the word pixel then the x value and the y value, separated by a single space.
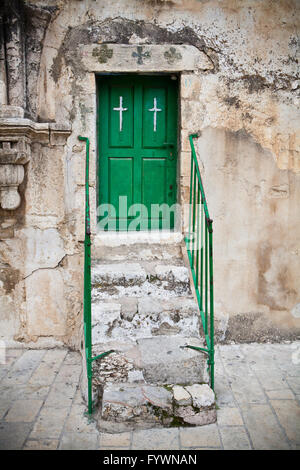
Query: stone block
pixel 136 405
pixel 79 441
pixel 204 436
pixel 13 436
pixel 147 58
pixel 202 395
pixel 45 248
pixel 155 439
pixel 199 418
pixel 24 411
pixel 115 440
pixel 229 417
pixel 172 273
pixel 164 361
pixel 50 423
pixel 235 438
pixel 181 396
pixel 41 444
pixel 118 274
pixel 46 312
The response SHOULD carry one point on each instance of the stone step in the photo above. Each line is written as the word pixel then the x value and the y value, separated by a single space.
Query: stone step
pixel 128 406
pixel 138 252
pixel 156 360
pixel 131 318
pixel 137 280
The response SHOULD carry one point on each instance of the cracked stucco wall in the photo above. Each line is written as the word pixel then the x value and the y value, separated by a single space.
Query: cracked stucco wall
pixel 246 111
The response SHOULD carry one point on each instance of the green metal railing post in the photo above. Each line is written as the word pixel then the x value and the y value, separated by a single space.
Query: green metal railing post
pixel 203 280
pixel 87 305
pixel 211 300
pixel 87 311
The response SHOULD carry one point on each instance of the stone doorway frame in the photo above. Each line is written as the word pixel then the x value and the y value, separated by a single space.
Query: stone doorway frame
pixel 186 61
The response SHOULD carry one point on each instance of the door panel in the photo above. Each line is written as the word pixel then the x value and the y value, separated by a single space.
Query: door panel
pixel 154 117
pixel 121 116
pixel 154 181
pixel 137 148
pixel 120 180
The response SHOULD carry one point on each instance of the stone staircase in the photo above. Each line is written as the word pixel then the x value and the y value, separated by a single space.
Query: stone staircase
pixel 143 309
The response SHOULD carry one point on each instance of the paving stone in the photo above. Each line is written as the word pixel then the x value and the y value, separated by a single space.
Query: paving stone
pixel 229 417
pixel 271 379
pixel 55 356
pixel 155 439
pixel 283 394
pixel 73 357
pixel 235 369
pixel 4 368
pixel 202 395
pixel 263 428
pixel 115 440
pixel 78 399
pixel 231 353
pixel 264 424
pixel 79 441
pixel 34 391
pixel 78 422
pixel 223 392
pixel 23 391
pixel 24 411
pixel 294 383
pixel 4 407
pixel 288 412
pixel 49 423
pixel 15 353
pixel 246 389
pixel 44 374
pixel 13 435
pixel 219 368
pixel 69 374
pixel 61 394
pixel 235 438
pixel 204 436
pixel 24 366
pixel 41 444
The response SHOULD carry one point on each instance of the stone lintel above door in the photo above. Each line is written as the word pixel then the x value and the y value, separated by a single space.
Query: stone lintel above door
pixel 143 58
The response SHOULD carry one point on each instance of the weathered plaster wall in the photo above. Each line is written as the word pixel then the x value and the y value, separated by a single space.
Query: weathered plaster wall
pixel 245 106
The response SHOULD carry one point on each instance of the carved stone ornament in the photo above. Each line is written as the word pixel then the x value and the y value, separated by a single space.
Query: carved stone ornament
pixel 14 154
pixel 16 136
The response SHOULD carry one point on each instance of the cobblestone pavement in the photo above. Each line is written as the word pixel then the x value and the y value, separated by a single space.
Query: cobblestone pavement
pixel 257 387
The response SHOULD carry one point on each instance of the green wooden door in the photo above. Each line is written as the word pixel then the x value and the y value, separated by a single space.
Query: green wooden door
pixel 137 148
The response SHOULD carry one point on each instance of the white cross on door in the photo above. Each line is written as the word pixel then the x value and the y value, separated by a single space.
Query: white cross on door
pixel 155 110
pixel 121 109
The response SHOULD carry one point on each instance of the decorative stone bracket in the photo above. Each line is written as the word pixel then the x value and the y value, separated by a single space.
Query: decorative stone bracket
pixel 16 137
pixel 14 154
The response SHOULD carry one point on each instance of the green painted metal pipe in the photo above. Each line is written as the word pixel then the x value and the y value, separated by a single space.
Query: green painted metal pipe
pixel 87 305
pixel 211 299
pixel 87 308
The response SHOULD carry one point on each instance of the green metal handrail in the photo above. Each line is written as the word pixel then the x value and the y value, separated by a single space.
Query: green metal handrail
pixel 87 305
pixel 199 243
